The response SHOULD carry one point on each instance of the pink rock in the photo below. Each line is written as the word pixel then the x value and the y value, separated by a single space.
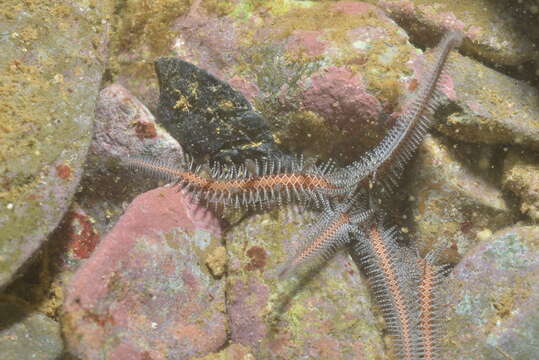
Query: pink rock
pixel 340 97
pixel 306 42
pixel 250 297
pixel 144 287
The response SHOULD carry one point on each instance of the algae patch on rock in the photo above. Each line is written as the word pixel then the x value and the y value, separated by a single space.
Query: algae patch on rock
pixel 52 61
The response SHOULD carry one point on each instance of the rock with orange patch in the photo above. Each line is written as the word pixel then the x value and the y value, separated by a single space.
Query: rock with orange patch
pixel 145 292
pixel 79 231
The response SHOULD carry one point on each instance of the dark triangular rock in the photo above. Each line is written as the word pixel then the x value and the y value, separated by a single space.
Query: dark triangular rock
pixel 207 116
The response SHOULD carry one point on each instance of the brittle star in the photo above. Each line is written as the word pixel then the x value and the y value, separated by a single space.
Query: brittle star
pixel 411 312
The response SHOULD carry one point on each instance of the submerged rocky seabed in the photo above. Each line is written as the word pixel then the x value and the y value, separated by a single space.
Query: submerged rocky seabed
pixel 99 263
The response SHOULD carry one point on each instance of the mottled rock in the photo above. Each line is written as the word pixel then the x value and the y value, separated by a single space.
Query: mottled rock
pixel 491 109
pixel 453 196
pixel 123 127
pixel 52 59
pixel 145 291
pixel 493 33
pixel 43 282
pixel 232 352
pixel 28 334
pixel 494 307
pixel 279 55
pixel 521 176
pixel 324 315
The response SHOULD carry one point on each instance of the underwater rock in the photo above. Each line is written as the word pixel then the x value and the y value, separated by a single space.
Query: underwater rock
pixel 145 289
pixel 521 176
pixel 490 107
pixel 495 35
pixel 52 59
pixel 231 352
pixel 340 97
pixel 207 116
pixel 452 198
pixel 123 127
pixel 494 299
pixel 324 315
pixel 273 53
pixel 28 334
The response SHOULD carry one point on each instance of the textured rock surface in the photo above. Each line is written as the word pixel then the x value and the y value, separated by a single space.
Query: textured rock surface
pixel 145 291
pixel 295 61
pixel 496 34
pixel 232 352
pixel 52 59
pixel 43 282
pixel 207 116
pixel 494 308
pixel 492 108
pixel 453 198
pixel 326 315
pixel 28 335
pixel 521 176
pixel 123 127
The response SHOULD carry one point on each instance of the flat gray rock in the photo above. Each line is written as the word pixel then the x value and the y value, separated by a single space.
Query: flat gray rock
pixel 28 335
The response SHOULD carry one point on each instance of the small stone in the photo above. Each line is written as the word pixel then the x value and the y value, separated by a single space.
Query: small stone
pixel 484 234
pixel 521 176
pixel 28 335
pixel 124 126
pixel 217 261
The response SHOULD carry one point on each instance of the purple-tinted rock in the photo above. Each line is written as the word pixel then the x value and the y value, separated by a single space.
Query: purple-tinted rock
pixel 495 299
pixel 123 127
pixel 341 97
pixel 232 352
pixel 325 316
pixel 145 291
pixel 28 334
pixel 52 60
